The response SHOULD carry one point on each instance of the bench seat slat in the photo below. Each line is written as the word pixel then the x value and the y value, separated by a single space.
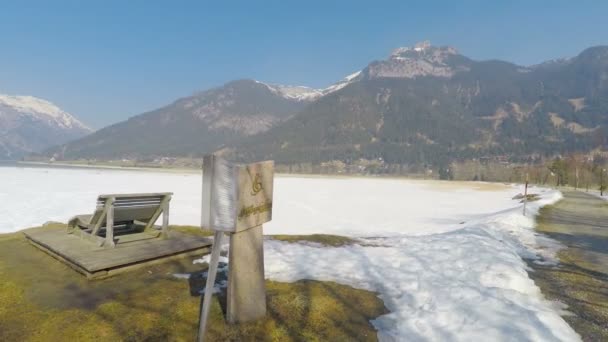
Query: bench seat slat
pixel 153 199
pixel 144 195
pixel 139 199
pixel 117 204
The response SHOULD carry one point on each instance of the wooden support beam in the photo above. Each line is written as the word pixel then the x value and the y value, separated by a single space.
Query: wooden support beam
pixel 110 223
pixel 154 217
pixel 211 273
pixel 165 228
pixel 98 223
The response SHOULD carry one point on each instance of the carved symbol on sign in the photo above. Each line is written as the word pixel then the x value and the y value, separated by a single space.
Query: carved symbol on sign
pixel 256 185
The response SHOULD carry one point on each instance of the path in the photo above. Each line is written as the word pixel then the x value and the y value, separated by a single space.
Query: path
pixel 580 222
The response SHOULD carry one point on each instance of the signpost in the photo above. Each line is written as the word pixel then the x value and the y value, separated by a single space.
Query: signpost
pixel 237 200
pixel 526 194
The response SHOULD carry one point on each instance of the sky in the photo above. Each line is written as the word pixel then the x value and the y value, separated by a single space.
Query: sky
pixel 105 61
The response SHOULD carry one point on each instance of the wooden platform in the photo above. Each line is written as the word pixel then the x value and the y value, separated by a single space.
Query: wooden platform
pixel 133 251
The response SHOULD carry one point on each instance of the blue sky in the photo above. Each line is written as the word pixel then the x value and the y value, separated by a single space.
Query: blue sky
pixel 105 61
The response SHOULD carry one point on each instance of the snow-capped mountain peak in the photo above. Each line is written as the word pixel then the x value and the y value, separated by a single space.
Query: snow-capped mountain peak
pixel 418 47
pixel 423 50
pixel 33 106
pixel 30 124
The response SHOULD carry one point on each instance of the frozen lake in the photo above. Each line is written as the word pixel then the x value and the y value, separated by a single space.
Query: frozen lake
pixel 445 257
pixel 302 205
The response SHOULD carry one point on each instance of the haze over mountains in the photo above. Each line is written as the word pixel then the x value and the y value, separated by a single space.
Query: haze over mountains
pixel 423 105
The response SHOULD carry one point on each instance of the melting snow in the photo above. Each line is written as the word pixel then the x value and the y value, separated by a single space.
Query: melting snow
pixel 447 260
pixel 468 284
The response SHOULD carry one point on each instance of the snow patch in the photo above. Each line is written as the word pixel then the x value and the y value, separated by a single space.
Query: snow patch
pixel 303 93
pixel 468 284
pixel 343 83
pixel 298 93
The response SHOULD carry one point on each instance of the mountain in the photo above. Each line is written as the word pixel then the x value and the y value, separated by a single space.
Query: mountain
pixel 430 105
pixel 422 105
pixel 29 124
pixel 194 125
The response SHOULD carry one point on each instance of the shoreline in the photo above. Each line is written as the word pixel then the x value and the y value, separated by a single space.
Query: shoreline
pixel 446 184
pixel 104 167
pixel 282 175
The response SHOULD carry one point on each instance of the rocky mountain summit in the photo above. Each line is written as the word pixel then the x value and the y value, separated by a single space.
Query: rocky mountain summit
pixel 419 61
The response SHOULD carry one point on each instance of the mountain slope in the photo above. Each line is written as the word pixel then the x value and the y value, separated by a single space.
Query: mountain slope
pixel 430 105
pixel 192 125
pixel 29 124
pixel 423 105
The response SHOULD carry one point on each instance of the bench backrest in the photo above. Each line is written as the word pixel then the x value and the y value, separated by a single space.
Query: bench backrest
pixel 129 207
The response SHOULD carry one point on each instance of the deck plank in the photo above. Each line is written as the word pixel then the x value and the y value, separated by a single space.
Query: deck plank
pixel 91 258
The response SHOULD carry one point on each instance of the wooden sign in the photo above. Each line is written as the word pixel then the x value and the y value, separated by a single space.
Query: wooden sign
pixel 236 197
pixel 237 200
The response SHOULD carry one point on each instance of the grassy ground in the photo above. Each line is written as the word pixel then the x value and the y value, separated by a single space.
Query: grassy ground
pixel 323 239
pixel 580 222
pixel 41 299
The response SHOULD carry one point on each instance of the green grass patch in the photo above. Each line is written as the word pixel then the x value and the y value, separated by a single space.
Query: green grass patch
pixel 41 299
pixel 323 239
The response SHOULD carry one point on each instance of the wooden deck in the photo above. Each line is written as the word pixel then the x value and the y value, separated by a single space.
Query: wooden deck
pixel 131 251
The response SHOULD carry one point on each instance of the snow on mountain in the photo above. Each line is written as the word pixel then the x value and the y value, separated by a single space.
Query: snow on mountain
pixel 422 59
pixel 29 124
pixel 343 83
pixel 41 109
pixel 303 93
pixel 298 93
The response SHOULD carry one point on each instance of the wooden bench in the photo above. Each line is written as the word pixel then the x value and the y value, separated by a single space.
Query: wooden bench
pixel 122 213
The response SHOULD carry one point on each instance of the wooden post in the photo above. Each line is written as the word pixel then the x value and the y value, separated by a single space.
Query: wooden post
pixel 601 182
pixel 165 228
pixel 246 284
pixel 110 223
pixel 208 168
pixel 526 195
pixel 237 200
pixel 211 272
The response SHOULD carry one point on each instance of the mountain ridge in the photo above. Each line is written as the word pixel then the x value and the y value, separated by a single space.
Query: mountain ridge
pixel 422 105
